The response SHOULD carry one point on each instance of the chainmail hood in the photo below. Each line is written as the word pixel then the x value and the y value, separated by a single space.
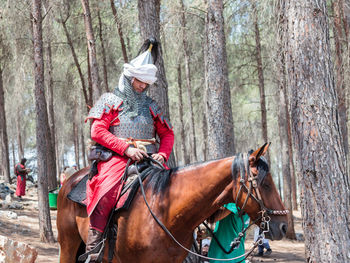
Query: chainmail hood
pixel 132 101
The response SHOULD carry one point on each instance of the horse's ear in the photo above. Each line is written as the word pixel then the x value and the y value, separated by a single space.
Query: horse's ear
pixel 258 153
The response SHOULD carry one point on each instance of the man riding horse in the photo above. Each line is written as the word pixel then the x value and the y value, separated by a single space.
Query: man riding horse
pixel 126 122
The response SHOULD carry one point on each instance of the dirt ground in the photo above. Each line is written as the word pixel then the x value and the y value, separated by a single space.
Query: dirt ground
pixel 26 229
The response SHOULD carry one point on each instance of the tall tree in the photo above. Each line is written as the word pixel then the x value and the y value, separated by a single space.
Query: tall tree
pixel 148 13
pixel 258 58
pixel 20 150
pixel 100 34
pixel 324 183
pixel 340 82
pixel 120 31
pixel 82 142
pixel 5 160
pixel 52 171
pixel 283 120
pixel 42 125
pixel 96 88
pixel 184 150
pixel 75 127
pixel 218 97
pixel 13 153
pixel 188 80
pixel 63 20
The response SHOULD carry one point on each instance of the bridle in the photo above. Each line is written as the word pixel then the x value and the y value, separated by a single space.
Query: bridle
pixel 253 187
pixel 253 192
pixel 265 212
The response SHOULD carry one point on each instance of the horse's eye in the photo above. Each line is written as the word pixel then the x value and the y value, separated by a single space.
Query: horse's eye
pixel 266 186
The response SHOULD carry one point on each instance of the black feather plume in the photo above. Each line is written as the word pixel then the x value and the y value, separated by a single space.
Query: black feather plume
pixel 155 45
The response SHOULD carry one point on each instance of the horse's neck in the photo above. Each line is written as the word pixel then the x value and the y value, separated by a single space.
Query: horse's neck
pixel 200 190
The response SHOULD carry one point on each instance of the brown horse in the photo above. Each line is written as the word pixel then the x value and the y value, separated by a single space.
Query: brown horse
pixel 181 199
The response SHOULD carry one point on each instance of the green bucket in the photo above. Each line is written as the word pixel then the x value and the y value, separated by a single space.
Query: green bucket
pixel 53 199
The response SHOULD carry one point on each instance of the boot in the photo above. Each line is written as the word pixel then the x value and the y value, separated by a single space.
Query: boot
pixel 93 247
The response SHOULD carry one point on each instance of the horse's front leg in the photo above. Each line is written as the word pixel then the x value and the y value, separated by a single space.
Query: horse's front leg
pixel 68 248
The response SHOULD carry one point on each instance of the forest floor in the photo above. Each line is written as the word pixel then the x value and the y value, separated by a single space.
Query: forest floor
pixel 26 229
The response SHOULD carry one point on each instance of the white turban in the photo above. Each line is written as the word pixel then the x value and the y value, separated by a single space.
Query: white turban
pixel 141 68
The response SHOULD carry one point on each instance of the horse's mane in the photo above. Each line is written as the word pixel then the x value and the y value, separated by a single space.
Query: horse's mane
pixel 159 179
pixel 241 162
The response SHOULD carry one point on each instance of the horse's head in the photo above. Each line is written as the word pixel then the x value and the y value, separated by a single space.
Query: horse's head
pixel 256 194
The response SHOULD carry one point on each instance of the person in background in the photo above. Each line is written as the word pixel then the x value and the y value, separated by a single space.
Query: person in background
pixel 265 244
pixel 226 230
pixel 21 172
pixel 70 171
pixel 63 176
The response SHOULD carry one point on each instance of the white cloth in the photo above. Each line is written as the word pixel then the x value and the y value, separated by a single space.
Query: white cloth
pixel 145 73
pixel 141 68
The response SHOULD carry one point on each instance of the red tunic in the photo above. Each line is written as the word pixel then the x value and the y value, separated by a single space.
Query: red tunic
pixel 21 180
pixel 110 173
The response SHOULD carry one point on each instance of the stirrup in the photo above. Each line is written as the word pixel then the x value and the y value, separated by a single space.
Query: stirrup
pixel 98 250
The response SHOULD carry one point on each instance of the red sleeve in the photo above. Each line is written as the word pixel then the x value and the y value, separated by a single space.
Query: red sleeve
pixel 101 134
pixel 166 136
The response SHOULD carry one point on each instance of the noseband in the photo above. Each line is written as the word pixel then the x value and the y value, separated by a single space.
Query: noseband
pixel 253 185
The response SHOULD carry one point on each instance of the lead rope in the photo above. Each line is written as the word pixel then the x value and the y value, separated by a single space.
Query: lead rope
pixel 174 239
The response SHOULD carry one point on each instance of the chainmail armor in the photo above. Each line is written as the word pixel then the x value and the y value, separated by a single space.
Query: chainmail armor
pixel 136 116
pixel 104 104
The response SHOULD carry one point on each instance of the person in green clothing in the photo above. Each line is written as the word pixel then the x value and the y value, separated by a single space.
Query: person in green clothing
pixel 226 230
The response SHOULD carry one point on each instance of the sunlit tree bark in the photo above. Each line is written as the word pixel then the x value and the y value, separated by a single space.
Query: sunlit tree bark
pixel 42 126
pixel 218 97
pixel 324 182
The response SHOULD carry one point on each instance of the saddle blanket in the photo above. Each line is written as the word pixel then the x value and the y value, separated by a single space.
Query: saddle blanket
pixel 78 193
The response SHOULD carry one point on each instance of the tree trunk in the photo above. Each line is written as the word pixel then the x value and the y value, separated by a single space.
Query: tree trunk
pixel 120 31
pixel 206 85
pixel 283 115
pixel 76 143
pixel 205 136
pixel 291 155
pixel 105 77
pixel 83 154
pixel 324 183
pixel 219 111
pixel 20 150
pixel 261 77
pixel 340 85
pixel 77 65
pixel 188 81
pixel 76 136
pixel 42 126
pixel 89 78
pixel 51 154
pixel 184 150
pixel 96 89
pixel 13 155
pixel 148 12
pixel 287 181
pixel 5 160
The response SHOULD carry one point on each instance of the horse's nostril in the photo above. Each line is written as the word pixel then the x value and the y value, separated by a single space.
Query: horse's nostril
pixel 283 227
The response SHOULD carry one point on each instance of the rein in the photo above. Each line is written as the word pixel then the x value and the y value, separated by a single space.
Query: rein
pixel 265 218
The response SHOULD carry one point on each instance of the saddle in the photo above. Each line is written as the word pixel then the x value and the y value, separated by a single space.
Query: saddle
pixel 78 195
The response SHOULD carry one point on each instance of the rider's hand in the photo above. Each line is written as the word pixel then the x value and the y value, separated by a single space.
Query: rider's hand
pixel 135 154
pixel 158 157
